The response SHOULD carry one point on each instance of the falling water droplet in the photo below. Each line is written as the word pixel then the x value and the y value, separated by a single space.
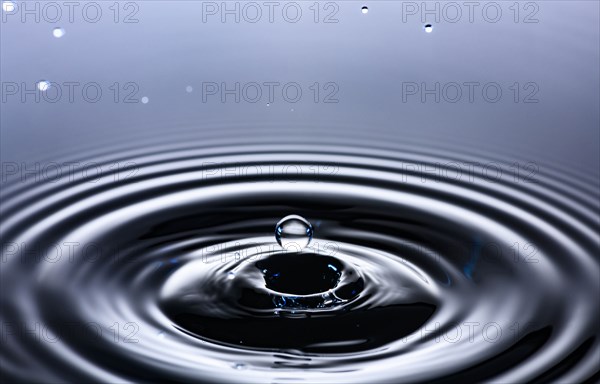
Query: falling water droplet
pixel 231 275
pixel 239 366
pixel 161 335
pixel 365 10
pixel 8 6
pixel 145 100
pixel 428 28
pixel 43 85
pixel 58 32
pixel 189 89
pixel 293 231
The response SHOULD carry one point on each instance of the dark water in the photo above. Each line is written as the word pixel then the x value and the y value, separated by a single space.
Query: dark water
pixel 408 277
pixel 451 243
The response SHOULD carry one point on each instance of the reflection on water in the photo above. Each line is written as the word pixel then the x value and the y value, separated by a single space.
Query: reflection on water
pixel 175 272
pixel 422 233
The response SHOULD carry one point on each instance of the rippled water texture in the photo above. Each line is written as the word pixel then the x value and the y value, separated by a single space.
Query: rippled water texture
pixel 440 236
pixel 177 275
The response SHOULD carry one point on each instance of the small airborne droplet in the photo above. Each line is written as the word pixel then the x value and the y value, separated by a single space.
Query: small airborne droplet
pixel 58 32
pixel 145 100
pixel 231 275
pixel 189 89
pixel 293 231
pixel 428 28
pixel 365 10
pixel 8 6
pixel 43 85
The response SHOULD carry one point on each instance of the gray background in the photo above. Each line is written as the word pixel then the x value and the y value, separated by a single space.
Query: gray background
pixel 368 56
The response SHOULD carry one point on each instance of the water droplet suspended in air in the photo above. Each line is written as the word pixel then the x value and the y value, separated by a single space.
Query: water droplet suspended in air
pixel 145 100
pixel 43 85
pixel 58 32
pixel 189 89
pixel 365 10
pixel 293 231
pixel 231 275
pixel 8 6
pixel 428 28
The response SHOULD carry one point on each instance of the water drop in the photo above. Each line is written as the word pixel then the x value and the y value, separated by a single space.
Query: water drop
pixel 365 10
pixel 58 32
pixel 161 335
pixel 428 28
pixel 8 6
pixel 231 275
pixel 145 100
pixel 189 89
pixel 293 231
pixel 43 85
pixel 239 366
pixel 268 104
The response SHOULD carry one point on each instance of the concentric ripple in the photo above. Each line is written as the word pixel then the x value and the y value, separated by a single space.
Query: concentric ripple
pixel 166 269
